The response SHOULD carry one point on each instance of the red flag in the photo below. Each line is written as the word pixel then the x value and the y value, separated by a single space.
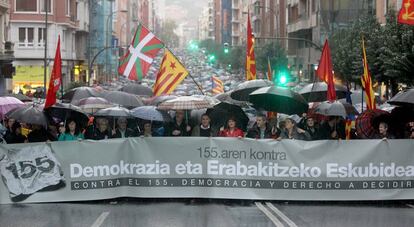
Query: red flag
pixel 55 78
pixel 406 15
pixel 325 71
pixel 250 58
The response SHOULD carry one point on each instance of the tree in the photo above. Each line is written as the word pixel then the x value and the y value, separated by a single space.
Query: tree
pixel 168 35
pixel 396 54
pixel 275 53
pixel 346 47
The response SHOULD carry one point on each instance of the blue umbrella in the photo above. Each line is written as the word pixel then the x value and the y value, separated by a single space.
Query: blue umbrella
pixel 150 113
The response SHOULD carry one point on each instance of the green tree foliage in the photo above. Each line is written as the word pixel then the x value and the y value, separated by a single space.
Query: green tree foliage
pixel 167 34
pixel 390 51
pixel 275 53
pixel 235 57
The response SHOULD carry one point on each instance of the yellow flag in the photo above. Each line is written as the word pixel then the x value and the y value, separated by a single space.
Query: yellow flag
pixel 171 73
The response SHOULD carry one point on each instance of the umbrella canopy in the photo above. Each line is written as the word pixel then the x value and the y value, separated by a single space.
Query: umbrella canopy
pixel 137 89
pixel 159 99
pixel 123 99
pixel 20 97
pixel 29 114
pixel 63 111
pixel 335 109
pixel 7 104
pixel 212 100
pixel 221 112
pixel 317 92
pixel 242 91
pixel 278 99
pixel 114 112
pixel 93 104
pixel 403 98
pixel 225 97
pixel 82 92
pixel 367 123
pixel 150 113
pixel 185 103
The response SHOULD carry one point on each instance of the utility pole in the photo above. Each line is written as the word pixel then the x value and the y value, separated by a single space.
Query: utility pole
pixel 45 38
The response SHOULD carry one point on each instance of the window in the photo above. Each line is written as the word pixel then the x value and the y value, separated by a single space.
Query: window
pixel 41 37
pixel 67 7
pixel 26 37
pixel 26 5
pixel 43 6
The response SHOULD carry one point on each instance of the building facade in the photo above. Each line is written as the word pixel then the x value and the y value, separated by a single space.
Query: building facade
pixel 6 50
pixel 206 22
pixel 28 33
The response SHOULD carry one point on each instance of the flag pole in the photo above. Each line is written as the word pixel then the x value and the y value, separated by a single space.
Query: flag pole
pixel 189 74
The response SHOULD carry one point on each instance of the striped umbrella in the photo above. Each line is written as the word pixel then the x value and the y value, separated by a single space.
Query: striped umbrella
pixel 7 104
pixel 367 123
pixel 185 103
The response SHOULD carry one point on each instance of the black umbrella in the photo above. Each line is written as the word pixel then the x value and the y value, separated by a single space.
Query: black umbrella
pixel 242 91
pixel 221 112
pixel 137 89
pixel 82 92
pixel 123 99
pixel 64 111
pixel 279 99
pixel 225 97
pixel 403 98
pixel 317 92
pixel 29 114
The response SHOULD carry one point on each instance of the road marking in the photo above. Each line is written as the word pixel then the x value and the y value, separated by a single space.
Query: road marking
pixel 100 219
pixel 412 206
pixel 281 215
pixel 269 214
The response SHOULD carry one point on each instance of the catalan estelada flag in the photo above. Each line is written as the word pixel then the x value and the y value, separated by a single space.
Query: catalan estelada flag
pixel 366 81
pixel 406 15
pixel 250 58
pixel 217 86
pixel 171 73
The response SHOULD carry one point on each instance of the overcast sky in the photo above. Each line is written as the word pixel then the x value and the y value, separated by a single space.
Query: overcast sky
pixel 184 10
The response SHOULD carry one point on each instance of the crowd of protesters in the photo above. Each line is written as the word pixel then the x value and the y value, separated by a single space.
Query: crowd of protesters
pixel 308 128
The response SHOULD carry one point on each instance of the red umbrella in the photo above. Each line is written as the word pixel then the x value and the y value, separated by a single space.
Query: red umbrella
pixel 367 123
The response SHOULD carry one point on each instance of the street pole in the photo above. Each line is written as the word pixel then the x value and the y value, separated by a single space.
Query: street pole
pixel 45 58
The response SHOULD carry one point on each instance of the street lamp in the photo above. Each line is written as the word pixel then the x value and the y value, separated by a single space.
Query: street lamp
pixel 109 63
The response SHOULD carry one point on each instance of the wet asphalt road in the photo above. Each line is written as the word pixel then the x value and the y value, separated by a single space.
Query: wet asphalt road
pixel 126 212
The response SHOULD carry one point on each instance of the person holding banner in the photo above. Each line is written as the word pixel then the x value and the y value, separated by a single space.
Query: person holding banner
pixel 70 132
pixel 383 132
pixel 101 131
pixel 231 130
pixel 123 131
pixel 292 132
pixel 204 129
pixel 178 127
pixel 262 130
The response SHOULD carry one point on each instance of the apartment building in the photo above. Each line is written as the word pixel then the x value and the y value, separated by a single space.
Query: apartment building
pixel 6 50
pixel 28 33
pixel 206 22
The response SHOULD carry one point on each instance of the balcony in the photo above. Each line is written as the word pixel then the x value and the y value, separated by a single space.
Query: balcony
pixel 302 23
pixel 235 20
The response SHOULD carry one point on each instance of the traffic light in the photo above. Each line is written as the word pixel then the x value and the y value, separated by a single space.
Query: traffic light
pixel 226 48
pixel 211 57
pixel 282 77
pixel 193 45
